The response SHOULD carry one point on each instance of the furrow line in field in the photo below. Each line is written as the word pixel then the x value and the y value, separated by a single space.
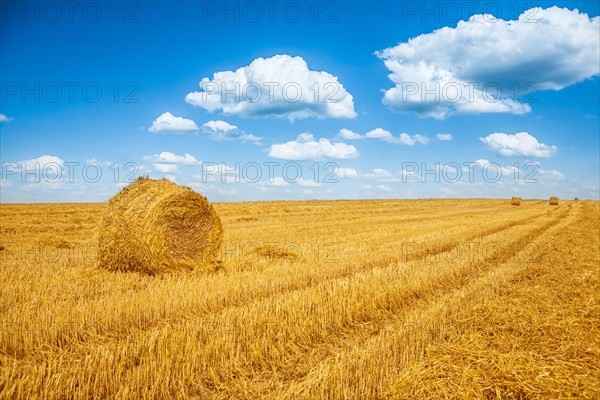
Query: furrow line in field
pixel 403 338
pixel 351 338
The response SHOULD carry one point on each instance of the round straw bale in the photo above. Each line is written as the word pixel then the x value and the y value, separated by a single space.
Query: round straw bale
pixel 515 201
pixel 553 201
pixel 154 226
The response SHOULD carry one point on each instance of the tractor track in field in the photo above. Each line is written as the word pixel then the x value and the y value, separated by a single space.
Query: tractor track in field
pixel 324 351
pixel 398 326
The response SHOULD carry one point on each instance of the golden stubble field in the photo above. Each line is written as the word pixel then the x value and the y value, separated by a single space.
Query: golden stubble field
pixel 423 299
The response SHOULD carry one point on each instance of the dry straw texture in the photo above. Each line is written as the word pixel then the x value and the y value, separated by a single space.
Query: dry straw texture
pixel 516 201
pixel 154 226
pixel 553 201
pixel 371 317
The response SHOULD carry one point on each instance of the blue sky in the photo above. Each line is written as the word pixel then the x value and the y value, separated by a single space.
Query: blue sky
pixel 493 99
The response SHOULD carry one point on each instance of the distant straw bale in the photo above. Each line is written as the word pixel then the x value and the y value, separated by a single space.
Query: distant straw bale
pixel 155 226
pixel 515 201
pixel 553 201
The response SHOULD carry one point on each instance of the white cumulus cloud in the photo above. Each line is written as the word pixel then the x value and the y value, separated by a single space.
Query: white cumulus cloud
pixel 444 137
pixel 169 123
pixel 385 136
pixel 166 168
pixel 379 173
pixel 5 118
pixel 47 165
pixel 520 144
pixel 166 157
pixel 348 134
pixel 475 67
pixel 221 130
pixel 277 181
pixel 221 126
pixel 279 86
pixel 307 182
pixel 42 162
pixel 383 188
pixel 305 147
pixel 551 174
pixel 347 173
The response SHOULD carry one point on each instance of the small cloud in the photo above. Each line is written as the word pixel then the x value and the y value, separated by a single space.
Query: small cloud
pixel 305 147
pixel 412 140
pixel 551 174
pixel 382 175
pixel 5 118
pixel 385 136
pixel 166 168
pixel 220 126
pixel 46 164
pixel 172 158
pixel 101 163
pixel 444 137
pixel 383 188
pixel 348 134
pixel 307 183
pixel 521 144
pixel 221 130
pixel 277 181
pixel 347 173
pixel 168 123
pixel 378 173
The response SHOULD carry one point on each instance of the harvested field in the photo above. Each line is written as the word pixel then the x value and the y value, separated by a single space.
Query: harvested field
pixel 425 299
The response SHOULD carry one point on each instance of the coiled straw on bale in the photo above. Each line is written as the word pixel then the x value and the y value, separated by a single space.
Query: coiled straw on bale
pixel 156 226
pixel 515 201
pixel 553 201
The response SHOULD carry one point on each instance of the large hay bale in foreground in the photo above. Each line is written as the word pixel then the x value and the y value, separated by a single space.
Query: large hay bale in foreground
pixel 553 201
pixel 156 226
pixel 515 201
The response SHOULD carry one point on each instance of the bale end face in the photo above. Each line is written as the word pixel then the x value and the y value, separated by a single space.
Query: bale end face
pixel 155 226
